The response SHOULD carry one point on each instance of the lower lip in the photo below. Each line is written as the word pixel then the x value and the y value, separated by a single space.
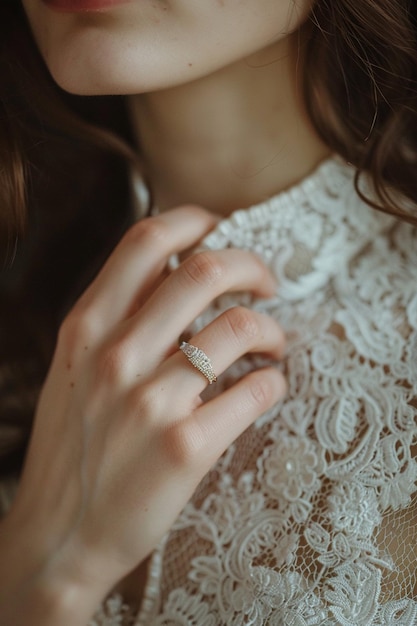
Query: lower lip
pixel 81 6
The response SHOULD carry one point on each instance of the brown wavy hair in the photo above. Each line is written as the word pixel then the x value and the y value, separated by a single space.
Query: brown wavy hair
pixel 63 171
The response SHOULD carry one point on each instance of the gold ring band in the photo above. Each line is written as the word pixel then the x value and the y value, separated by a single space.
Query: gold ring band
pixel 199 360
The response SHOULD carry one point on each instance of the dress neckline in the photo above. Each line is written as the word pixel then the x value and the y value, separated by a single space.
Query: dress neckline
pixel 142 197
pixel 308 233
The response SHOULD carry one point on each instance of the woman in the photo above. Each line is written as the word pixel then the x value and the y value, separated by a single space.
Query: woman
pixel 309 515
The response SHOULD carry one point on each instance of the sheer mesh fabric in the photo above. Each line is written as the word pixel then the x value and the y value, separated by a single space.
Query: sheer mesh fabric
pixel 309 518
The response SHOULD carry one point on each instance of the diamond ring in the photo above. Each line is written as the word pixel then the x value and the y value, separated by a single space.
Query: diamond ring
pixel 200 360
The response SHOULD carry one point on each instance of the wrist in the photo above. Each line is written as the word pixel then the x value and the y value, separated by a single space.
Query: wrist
pixel 37 588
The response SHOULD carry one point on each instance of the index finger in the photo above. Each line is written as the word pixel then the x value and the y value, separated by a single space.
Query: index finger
pixel 138 260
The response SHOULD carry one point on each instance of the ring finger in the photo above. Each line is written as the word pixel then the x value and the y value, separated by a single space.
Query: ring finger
pixel 234 333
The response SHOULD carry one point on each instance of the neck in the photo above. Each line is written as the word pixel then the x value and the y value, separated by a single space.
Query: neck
pixel 231 139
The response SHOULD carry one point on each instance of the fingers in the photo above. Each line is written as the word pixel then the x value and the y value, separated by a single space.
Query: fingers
pixel 234 333
pixel 132 272
pixel 139 258
pixel 216 424
pixel 189 290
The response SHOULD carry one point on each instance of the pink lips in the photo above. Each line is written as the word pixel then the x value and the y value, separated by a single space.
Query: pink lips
pixel 78 6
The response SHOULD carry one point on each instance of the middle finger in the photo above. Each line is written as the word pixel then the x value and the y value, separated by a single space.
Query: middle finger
pixel 189 290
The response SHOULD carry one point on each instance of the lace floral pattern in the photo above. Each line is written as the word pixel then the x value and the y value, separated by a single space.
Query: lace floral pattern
pixel 309 518
pixel 114 612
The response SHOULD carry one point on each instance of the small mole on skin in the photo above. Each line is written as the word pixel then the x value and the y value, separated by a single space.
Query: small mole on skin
pixel 85 347
pixel 190 65
pixel 72 385
pixel 68 366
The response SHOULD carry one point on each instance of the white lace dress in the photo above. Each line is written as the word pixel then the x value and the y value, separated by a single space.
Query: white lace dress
pixel 310 518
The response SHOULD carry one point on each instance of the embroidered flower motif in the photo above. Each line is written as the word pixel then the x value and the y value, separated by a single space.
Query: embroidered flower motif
pixel 285 548
pixel 251 609
pixel 353 509
pixel 182 609
pixel 263 594
pixel 291 470
pixel 223 512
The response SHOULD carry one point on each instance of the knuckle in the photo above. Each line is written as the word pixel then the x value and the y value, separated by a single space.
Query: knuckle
pixel 150 229
pixel 146 403
pixel 183 445
pixel 203 268
pixel 261 391
pixel 243 324
pixel 77 329
pixel 110 366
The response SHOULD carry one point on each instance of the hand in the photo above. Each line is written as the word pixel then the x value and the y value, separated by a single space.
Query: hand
pixel 121 437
